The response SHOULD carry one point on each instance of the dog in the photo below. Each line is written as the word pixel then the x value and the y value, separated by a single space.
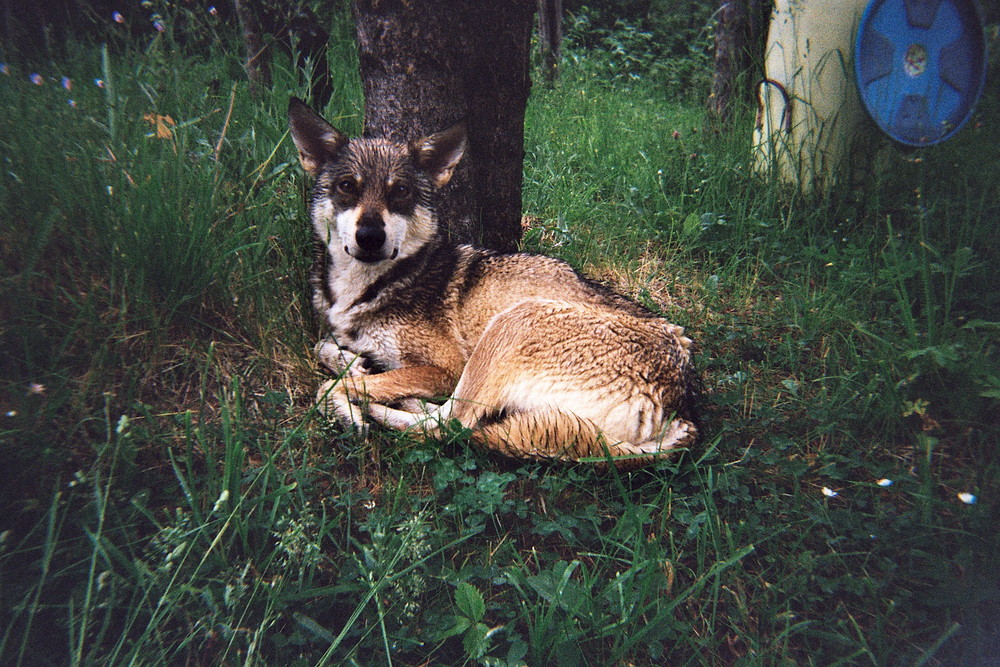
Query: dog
pixel 535 360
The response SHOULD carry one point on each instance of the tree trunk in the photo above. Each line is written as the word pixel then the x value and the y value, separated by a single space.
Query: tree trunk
pixel 258 64
pixel 550 36
pixel 739 53
pixel 428 64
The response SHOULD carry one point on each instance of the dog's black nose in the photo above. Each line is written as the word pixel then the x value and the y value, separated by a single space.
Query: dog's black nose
pixel 370 238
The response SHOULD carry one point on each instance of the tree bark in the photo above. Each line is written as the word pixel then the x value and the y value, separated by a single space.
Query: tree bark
pixel 428 64
pixel 739 53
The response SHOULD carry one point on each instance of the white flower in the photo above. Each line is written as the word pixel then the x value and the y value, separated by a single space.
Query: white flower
pixel 967 497
pixel 223 497
pixel 885 481
pixel 828 492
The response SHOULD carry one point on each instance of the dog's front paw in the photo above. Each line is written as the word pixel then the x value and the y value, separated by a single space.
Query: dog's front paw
pixel 333 402
pixel 338 360
pixel 679 433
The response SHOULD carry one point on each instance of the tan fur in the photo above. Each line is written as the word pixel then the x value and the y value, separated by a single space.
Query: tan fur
pixel 575 380
pixel 537 361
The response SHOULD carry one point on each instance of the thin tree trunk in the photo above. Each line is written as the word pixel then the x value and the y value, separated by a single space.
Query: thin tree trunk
pixel 427 65
pixel 257 65
pixel 550 36
pixel 739 53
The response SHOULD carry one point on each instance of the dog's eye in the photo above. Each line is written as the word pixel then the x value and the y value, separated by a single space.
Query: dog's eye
pixel 347 186
pixel 400 191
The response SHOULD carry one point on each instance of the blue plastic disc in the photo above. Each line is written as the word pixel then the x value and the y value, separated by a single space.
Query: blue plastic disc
pixel 920 66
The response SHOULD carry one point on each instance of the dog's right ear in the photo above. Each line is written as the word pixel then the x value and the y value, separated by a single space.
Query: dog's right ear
pixel 439 153
pixel 316 140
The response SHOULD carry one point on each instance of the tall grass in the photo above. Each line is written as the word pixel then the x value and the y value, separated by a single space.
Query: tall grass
pixel 171 495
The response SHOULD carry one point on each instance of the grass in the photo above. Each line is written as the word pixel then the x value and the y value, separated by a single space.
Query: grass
pixel 171 495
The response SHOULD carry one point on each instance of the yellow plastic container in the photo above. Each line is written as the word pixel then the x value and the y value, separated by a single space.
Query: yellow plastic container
pixel 809 115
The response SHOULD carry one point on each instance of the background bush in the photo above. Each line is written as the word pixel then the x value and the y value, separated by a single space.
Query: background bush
pixel 668 43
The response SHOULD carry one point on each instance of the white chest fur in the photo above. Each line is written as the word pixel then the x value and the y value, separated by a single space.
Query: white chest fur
pixel 354 322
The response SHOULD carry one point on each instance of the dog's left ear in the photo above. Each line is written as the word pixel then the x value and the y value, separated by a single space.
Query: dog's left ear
pixel 438 153
pixel 316 140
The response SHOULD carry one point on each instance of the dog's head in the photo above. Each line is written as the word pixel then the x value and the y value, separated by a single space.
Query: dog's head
pixel 373 197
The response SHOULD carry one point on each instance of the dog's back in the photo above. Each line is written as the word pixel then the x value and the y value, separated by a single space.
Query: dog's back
pixel 489 283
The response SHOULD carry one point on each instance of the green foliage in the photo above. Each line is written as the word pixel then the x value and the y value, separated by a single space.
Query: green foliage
pixel 468 622
pixel 170 495
pixel 667 43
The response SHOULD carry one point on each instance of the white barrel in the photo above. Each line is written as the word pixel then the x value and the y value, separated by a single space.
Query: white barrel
pixel 809 111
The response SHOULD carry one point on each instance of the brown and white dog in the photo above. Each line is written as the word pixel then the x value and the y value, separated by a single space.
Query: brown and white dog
pixel 536 360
